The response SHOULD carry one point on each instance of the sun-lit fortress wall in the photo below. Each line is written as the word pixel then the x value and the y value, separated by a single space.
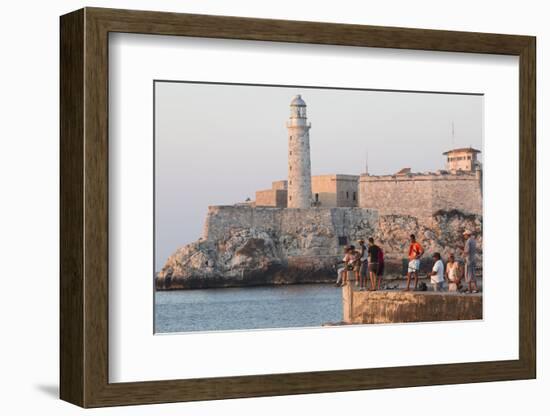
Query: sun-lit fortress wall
pixel 421 195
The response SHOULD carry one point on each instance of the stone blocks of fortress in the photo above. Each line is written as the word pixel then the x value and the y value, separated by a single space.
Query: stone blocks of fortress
pixel 274 197
pixel 301 232
pixel 421 195
pixel 328 191
pixel 415 194
pixel 335 190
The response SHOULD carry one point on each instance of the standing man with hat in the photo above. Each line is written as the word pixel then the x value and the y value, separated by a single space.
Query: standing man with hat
pixel 470 262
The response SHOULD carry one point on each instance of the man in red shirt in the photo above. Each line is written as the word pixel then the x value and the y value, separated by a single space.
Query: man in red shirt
pixel 415 252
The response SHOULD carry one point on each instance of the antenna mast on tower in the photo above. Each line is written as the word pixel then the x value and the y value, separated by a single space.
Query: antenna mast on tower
pixel 367 163
pixel 453 134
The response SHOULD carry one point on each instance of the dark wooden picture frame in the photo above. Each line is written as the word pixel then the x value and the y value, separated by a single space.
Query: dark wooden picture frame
pixel 84 207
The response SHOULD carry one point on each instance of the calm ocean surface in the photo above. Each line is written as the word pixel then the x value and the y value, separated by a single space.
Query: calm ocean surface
pixel 247 308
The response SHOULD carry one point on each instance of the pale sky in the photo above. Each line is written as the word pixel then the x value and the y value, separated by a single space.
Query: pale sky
pixel 217 144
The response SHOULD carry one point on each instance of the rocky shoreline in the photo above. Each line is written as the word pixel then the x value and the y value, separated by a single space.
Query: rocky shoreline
pixel 272 275
pixel 222 282
pixel 247 246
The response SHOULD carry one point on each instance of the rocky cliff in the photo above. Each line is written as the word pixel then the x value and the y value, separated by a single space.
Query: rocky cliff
pixel 243 245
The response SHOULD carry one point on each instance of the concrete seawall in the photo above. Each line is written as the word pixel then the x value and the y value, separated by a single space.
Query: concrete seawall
pixel 381 307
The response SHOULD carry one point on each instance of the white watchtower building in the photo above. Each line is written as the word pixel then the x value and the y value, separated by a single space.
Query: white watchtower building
pixel 299 162
pixel 464 159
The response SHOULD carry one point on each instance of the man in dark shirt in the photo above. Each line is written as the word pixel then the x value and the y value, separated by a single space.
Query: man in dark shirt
pixel 364 265
pixel 373 253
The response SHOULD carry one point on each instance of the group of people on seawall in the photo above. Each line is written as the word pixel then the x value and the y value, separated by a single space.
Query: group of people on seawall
pixel 365 265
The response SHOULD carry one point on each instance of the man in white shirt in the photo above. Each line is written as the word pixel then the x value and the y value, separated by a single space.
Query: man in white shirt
pixel 437 275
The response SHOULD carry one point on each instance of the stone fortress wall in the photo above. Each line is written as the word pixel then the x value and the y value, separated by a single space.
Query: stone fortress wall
pixel 415 194
pixel 317 231
pixel 422 195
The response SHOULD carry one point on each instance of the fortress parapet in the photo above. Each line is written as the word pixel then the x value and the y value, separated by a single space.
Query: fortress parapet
pixel 422 194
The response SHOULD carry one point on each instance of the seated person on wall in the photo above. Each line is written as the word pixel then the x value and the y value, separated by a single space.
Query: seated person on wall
pixel 341 269
pixel 437 274
pixel 348 263
pixel 415 252
pixel 452 274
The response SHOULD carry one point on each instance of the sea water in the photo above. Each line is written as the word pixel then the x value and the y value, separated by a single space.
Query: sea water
pixel 264 307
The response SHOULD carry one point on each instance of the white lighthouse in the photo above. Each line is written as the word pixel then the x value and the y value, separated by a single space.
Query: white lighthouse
pixel 299 162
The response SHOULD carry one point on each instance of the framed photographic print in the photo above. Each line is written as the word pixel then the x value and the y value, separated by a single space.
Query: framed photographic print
pixel 245 203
